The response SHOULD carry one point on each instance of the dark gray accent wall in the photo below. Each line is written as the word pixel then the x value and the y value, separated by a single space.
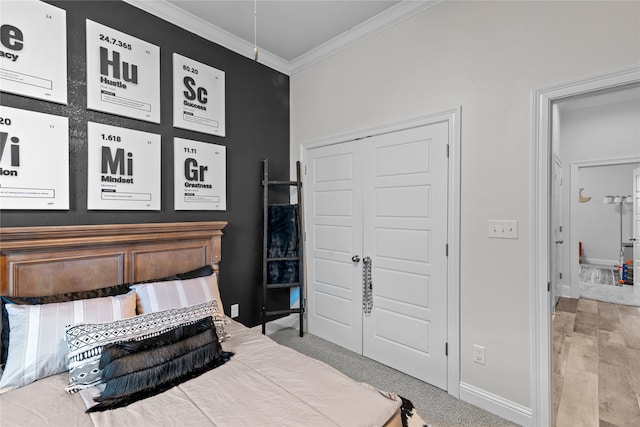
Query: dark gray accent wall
pixel 257 115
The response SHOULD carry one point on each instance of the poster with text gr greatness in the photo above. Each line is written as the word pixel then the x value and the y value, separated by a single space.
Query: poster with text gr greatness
pixel 33 50
pixel 200 175
pixel 123 74
pixel 123 171
pixel 34 160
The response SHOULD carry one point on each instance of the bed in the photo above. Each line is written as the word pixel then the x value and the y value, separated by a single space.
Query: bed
pixel 255 382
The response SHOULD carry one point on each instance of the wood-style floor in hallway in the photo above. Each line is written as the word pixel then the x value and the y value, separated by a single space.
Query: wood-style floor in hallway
pixel 596 364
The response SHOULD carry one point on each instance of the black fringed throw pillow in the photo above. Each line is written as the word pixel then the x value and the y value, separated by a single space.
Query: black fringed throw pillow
pixel 134 370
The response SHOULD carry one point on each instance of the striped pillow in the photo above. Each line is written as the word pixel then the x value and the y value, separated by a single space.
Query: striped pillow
pixel 158 296
pixel 37 347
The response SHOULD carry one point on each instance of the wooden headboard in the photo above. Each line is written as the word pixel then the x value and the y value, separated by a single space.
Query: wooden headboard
pixel 51 260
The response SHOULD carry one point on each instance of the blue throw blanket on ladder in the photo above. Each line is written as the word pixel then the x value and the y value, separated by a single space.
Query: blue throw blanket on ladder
pixel 282 241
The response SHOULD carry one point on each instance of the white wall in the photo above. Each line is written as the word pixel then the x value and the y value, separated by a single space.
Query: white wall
pixel 486 57
pixel 598 223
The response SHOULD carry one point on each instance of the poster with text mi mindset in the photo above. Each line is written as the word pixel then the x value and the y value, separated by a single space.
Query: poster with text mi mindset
pixel 123 168
pixel 34 160
pixel 33 50
pixel 123 74
pixel 198 96
pixel 200 175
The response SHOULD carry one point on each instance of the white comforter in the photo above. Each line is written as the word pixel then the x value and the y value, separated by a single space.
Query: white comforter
pixel 264 384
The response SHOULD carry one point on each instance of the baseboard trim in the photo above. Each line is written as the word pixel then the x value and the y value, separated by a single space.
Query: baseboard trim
pixel 507 409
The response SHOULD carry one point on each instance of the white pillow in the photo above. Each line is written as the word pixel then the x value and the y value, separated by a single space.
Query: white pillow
pixel 37 348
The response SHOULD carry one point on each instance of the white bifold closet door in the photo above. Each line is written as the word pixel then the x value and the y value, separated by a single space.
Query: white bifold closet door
pixel 382 197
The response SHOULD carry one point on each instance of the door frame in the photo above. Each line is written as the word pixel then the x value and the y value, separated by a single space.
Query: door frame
pixel 541 111
pixel 555 222
pixel 636 225
pixel 452 118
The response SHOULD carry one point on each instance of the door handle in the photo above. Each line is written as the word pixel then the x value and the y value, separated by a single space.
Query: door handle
pixel 355 258
pixel 559 241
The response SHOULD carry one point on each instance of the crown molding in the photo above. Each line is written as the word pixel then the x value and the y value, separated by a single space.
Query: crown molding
pixel 384 20
pixel 200 27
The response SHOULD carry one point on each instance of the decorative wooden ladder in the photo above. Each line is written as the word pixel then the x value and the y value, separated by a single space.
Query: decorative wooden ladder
pixel 266 259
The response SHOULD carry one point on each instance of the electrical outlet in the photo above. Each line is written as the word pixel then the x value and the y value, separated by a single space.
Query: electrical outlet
pixel 235 310
pixel 478 354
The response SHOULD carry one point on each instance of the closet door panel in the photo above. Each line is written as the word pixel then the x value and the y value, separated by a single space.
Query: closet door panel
pixel 405 223
pixel 333 191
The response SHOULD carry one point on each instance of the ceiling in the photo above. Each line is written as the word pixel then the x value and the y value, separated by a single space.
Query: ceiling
pixel 289 34
pixel 287 29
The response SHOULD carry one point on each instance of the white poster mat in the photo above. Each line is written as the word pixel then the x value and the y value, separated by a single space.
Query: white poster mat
pixel 123 168
pixel 198 96
pixel 200 175
pixel 33 50
pixel 34 160
pixel 123 74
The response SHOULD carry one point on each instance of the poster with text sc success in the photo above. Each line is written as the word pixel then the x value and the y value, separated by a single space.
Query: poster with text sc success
pixel 198 96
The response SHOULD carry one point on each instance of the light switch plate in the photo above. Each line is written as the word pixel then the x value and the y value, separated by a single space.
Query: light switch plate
pixel 503 229
pixel 235 310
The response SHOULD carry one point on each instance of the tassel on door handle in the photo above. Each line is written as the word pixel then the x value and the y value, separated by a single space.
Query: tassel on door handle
pixel 367 286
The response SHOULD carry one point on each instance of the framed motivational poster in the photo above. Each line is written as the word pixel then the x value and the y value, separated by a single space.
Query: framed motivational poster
pixel 200 175
pixel 33 50
pixel 34 160
pixel 123 74
pixel 123 168
pixel 198 96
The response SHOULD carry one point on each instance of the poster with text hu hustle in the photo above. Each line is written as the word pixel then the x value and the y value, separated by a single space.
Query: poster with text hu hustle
pixel 34 160
pixel 200 175
pixel 198 96
pixel 123 74
pixel 123 170
pixel 33 50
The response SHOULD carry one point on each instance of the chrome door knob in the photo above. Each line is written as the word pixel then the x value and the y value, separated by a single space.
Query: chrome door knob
pixel 355 258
